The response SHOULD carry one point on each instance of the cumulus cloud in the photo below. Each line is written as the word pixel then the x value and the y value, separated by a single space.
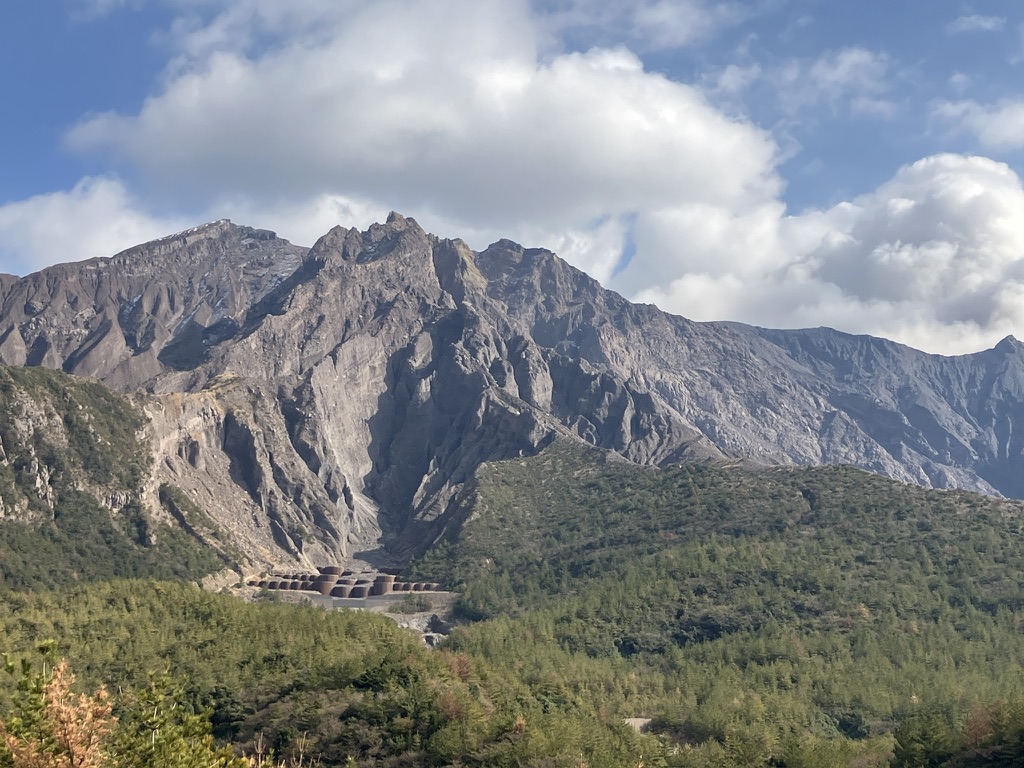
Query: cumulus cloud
pixel 447 111
pixel 934 258
pixel 98 217
pixel 975 23
pixel 997 126
pixel 946 230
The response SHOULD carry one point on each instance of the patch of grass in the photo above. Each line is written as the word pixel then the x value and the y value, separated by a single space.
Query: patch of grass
pixel 412 604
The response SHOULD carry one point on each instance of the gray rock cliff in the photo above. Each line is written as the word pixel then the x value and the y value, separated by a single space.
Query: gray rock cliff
pixel 320 401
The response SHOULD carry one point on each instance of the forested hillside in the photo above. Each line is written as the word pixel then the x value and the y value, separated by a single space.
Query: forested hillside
pixel 756 617
pixel 772 613
pixel 299 681
pixel 73 461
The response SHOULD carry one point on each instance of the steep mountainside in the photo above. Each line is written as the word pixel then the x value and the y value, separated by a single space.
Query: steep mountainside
pixel 73 491
pixel 313 399
pixel 150 308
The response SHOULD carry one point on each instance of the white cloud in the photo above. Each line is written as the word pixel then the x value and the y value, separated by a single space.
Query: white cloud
pixel 90 10
pixel 673 24
pixel 959 82
pixel 98 217
pixel 643 24
pixel 933 258
pixel 242 25
pixel 207 27
pixel 453 112
pixel 997 126
pixel 444 109
pixel 943 229
pixel 105 6
pixel 733 79
pixel 976 23
pixel 302 220
pixel 854 76
pixel 847 81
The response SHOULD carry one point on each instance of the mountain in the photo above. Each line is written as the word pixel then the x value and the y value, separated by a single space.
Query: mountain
pixel 73 468
pixel 316 402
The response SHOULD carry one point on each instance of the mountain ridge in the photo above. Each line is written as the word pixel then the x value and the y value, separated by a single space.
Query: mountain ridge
pixel 331 400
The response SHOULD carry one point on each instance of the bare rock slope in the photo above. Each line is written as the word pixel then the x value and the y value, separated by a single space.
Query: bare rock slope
pixel 319 401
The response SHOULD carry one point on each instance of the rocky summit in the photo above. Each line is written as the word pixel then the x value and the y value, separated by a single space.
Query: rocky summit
pixel 335 402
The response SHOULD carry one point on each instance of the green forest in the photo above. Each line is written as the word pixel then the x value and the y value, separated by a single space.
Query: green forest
pixel 820 616
pixel 746 616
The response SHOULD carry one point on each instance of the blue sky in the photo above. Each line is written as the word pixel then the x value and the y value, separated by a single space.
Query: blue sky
pixel 781 162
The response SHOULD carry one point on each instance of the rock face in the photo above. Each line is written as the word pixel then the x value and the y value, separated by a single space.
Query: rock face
pixel 74 466
pixel 149 309
pixel 327 398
